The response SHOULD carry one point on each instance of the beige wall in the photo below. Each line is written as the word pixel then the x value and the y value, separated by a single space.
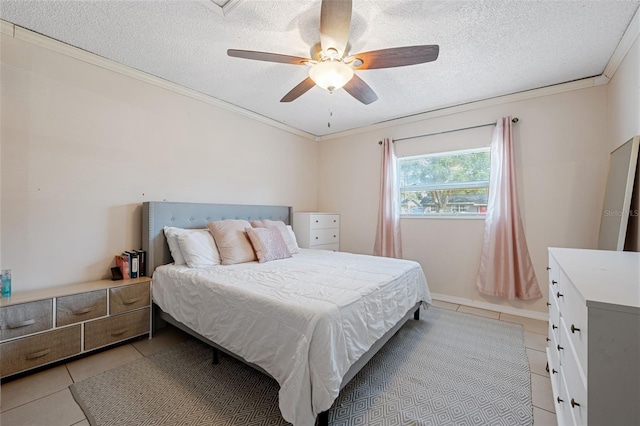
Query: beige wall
pixel 624 123
pixel 624 98
pixel 82 147
pixel 561 149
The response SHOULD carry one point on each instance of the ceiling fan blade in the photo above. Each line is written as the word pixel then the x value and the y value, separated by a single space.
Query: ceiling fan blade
pixel 299 90
pixel 360 90
pixel 396 57
pixel 335 23
pixel 268 57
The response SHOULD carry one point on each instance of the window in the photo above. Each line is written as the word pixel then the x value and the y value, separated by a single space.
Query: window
pixel 452 183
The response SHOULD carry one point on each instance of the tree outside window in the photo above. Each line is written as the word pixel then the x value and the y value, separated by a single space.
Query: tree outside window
pixel 449 183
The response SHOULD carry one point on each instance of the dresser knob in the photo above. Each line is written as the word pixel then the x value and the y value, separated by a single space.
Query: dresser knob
pixel 559 295
pixel 554 371
pixel 548 304
pixel 548 268
pixel 560 348
pixel 559 400
pixel 548 340
pixel 316 238
pixel 554 282
pixel 574 404
pixel 334 236
pixel 574 329
pixel 553 326
pixel 316 221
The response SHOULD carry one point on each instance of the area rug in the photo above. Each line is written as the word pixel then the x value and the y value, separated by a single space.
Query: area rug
pixel 449 368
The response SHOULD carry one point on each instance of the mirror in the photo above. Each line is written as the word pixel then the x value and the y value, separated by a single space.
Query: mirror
pixel 617 202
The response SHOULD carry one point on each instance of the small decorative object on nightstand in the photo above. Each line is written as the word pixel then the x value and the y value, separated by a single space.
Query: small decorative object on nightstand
pixel 6 283
pixel 317 230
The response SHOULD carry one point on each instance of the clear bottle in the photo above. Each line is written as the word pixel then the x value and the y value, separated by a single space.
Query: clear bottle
pixel 6 283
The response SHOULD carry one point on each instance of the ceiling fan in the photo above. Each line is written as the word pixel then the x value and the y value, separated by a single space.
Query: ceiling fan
pixel 332 67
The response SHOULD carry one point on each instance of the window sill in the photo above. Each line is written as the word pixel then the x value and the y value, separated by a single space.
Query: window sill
pixel 447 216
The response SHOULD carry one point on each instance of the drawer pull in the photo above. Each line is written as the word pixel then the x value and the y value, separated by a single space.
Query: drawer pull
pixel 316 238
pixel 334 221
pixel 553 326
pixel 83 311
pixel 548 304
pixel 316 221
pixel 21 324
pixel 559 400
pixel 548 340
pixel 38 354
pixel 574 329
pixel 119 332
pixel 131 301
pixel 560 348
pixel 554 371
pixel 554 282
pixel 559 295
pixel 574 404
pixel 334 236
pixel 548 268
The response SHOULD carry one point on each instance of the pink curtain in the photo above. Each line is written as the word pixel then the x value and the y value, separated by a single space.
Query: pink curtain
pixel 505 266
pixel 388 241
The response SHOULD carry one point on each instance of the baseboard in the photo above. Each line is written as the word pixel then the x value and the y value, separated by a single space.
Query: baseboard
pixel 543 316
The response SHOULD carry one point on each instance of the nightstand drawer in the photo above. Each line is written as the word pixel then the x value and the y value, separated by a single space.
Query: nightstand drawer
pixel 103 332
pixel 25 318
pixel 28 352
pixel 322 221
pixel 128 298
pixel 324 236
pixel 331 247
pixel 81 307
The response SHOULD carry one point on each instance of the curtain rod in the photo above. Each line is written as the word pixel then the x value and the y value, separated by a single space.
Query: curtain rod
pixel 513 120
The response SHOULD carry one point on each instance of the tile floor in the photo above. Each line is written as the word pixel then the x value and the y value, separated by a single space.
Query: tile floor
pixel 43 398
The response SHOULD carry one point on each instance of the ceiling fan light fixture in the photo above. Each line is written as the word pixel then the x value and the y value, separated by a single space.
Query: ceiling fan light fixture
pixel 331 75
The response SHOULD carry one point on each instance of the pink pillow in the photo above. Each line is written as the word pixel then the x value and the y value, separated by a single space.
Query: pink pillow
pixel 268 244
pixel 232 241
pixel 280 226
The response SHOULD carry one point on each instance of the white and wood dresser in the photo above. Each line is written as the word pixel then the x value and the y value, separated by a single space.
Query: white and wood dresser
pixel 44 326
pixel 317 230
pixel 594 336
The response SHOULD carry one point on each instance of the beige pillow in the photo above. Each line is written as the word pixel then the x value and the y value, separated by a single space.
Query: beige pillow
pixel 268 244
pixel 232 241
pixel 292 245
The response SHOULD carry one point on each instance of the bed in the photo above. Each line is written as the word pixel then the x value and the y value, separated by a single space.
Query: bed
pixel 311 321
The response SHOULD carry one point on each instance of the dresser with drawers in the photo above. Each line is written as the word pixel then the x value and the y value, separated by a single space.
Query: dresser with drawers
pixel 44 326
pixel 317 230
pixel 594 336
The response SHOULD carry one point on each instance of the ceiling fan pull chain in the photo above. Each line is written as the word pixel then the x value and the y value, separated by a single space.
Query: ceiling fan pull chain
pixel 330 110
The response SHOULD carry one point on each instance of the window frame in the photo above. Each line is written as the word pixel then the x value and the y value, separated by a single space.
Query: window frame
pixel 453 185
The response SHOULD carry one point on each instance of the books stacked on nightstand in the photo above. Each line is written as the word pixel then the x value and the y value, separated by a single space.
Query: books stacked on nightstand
pixel 132 264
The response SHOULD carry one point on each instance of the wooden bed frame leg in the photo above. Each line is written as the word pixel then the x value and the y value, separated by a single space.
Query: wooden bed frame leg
pixel 216 359
pixel 323 419
pixel 416 314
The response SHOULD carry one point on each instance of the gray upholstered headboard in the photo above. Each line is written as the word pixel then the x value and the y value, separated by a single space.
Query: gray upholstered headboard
pixel 158 214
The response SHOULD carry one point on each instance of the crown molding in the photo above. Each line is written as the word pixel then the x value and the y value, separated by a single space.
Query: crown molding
pixel 485 103
pixel 93 59
pixel 629 37
pixel 221 10
pixel 7 28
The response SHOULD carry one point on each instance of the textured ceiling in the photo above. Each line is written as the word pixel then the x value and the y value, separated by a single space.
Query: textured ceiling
pixel 487 48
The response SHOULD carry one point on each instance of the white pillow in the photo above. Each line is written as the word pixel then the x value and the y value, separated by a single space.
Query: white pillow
pixel 171 234
pixel 293 237
pixel 199 249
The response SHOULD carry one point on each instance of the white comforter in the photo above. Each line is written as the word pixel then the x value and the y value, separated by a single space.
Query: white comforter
pixel 304 320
